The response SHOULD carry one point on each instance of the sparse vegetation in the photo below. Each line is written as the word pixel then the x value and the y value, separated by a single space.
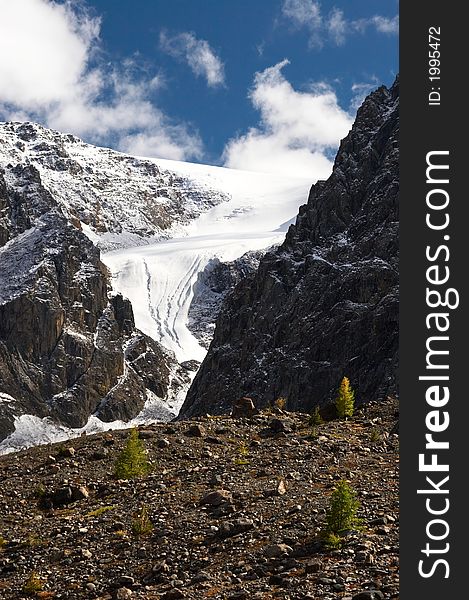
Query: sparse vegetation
pixel 125 528
pixel 33 584
pixel 142 525
pixel 34 540
pixel 132 461
pixel 280 403
pixel 39 491
pixel 243 452
pixel 345 402
pixel 341 515
pixel 315 418
pixel 100 511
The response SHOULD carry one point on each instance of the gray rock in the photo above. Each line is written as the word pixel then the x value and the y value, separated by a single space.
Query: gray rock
pixel 195 430
pixel 126 581
pixel 369 595
pixel 313 566
pixel 216 498
pixel 243 408
pixel 163 443
pixel 325 303
pixel 277 550
pixel 235 527
pixel 174 594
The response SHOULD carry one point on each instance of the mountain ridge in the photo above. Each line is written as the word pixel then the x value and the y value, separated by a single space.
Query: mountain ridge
pixel 325 303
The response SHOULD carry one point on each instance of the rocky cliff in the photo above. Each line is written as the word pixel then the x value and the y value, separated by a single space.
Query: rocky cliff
pixel 212 285
pixel 67 348
pixel 325 304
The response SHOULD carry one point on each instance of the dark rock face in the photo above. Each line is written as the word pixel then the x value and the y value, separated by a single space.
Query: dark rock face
pixel 67 350
pixel 212 286
pixel 325 304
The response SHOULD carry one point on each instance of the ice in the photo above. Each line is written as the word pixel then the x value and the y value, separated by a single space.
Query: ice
pixel 159 278
pixel 31 430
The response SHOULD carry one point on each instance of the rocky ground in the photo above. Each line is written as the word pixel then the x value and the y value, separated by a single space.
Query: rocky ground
pixel 231 509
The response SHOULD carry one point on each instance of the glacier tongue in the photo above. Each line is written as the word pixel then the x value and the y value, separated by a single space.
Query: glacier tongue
pixel 159 278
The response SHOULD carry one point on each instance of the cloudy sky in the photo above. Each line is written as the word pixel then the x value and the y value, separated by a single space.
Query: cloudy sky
pixel 269 85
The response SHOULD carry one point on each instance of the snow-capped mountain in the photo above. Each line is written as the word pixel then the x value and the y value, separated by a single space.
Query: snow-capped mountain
pixel 120 200
pixel 72 353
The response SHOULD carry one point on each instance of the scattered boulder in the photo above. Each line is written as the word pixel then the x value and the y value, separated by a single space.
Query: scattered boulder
pixel 216 498
pixel 67 495
pixel 369 595
pixel 174 594
pixel 243 408
pixel 195 430
pixel 235 527
pixel 277 550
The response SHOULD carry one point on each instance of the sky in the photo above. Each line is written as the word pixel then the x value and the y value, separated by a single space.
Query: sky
pixel 267 85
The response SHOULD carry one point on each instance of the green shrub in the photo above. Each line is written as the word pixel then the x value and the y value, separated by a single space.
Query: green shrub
pixel 342 512
pixel 33 584
pixel 132 461
pixel 243 453
pixel 142 524
pixel 345 401
pixel 315 418
pixel 101 510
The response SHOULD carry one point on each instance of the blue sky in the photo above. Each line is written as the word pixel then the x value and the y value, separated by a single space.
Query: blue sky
pixel 260 84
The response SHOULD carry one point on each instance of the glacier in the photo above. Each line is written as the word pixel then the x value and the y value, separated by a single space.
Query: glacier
pixel 158 278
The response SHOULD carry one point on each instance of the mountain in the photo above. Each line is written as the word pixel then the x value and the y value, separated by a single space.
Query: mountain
pixel 68 348
pixel 117 199
pixel 325 303
pixel 99 256
pixel 212 286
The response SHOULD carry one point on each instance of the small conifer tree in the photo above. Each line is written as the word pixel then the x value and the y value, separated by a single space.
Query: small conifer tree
pixel 342 512
pixel 345 401
pixel 132 461
pixel 142 525
pixel 315 417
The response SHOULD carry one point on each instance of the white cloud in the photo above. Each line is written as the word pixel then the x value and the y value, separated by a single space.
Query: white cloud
pixel 296 128
pixel 334 27
pixel 385 25
pixel 305 13
pixel 51 71
pixel 337 26
pixel 197 53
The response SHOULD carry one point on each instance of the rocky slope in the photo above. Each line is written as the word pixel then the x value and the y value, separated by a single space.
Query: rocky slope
pixel 325 304
pixel 67 348
pixel 234 510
